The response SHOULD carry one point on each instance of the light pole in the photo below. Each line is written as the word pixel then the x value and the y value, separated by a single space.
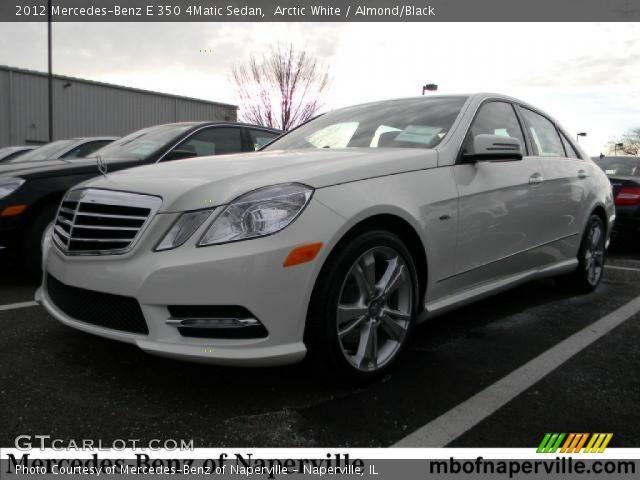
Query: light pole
pixel 581 134
pixel 50 75
pixel 429 87
pixel 616 147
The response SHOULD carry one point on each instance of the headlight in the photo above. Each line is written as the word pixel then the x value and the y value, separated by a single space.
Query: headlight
pixel 256 214
pixel 182 229
pixel 8 185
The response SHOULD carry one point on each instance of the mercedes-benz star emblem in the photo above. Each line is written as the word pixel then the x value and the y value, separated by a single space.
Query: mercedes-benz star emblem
pixel 102 165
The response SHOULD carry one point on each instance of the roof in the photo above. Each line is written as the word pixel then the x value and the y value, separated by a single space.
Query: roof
pixel 219 122
pixel 114 86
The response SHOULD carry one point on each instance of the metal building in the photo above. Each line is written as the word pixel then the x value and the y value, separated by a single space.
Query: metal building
pixel 87 108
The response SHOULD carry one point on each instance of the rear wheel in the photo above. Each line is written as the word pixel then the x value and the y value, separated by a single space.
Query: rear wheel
pixel 591 259
pixel 363 307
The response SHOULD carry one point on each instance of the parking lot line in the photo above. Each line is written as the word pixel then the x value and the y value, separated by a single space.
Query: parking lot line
pixel 452 424
pixel 14 306
pixel 615 267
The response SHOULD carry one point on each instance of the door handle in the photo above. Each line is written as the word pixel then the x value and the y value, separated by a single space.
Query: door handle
pixel 582 174
pixel 536 179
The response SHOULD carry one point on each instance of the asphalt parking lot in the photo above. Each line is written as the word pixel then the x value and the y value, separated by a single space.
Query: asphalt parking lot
pixel 61 382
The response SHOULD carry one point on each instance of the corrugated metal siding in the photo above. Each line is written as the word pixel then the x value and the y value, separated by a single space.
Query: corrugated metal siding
pixel 82 108
pixel 5 109
pixel 29 115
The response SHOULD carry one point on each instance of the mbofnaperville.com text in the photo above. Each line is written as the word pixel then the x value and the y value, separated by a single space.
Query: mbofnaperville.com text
pixel 236 464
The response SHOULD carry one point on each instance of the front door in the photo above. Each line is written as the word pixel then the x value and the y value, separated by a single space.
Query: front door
pixel 498 205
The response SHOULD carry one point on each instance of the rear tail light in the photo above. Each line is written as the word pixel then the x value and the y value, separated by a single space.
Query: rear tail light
pixel 628 196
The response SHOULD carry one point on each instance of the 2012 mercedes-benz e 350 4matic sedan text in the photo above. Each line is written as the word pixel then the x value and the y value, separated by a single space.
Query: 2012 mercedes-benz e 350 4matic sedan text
pixel 334 240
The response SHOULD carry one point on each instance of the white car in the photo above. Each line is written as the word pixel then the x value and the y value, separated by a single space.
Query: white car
pixel 335 239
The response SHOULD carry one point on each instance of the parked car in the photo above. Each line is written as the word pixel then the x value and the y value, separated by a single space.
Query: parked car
pixel 334 240
pixel 624 173
pixel 7 153
pixel 68 149
pixel 31 187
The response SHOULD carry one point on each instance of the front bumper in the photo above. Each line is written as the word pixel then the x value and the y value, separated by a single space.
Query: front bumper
pixel 247 274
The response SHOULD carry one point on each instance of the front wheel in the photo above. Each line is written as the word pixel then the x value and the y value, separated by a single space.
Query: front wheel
pixel 32 246
pixel 363 306
pixel 591 258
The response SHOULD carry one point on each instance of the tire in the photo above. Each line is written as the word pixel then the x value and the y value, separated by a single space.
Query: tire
pixel 355 329
pixel 591 259
pixel 32 246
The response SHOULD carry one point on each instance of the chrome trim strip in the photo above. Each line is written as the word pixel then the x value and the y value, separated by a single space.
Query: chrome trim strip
pixel 102 240
pixel 110 215
pixel 559 239
pixel 211 322
pixel 98 227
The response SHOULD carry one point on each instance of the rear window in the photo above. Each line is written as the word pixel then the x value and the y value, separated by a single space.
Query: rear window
pixel 625 166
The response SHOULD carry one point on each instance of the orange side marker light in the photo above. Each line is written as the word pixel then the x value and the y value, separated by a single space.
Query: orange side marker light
pixel 302 254
pixel 13 210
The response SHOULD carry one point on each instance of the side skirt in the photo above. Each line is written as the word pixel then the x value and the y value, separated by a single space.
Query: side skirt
pixel 493 287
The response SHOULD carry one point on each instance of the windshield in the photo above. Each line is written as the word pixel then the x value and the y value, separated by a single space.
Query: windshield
pixel 143 143
pixel 407 123
pixel 629 166
pixel 50 151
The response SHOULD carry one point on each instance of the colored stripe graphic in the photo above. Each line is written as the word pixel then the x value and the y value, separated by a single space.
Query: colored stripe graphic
pixel 543 443
pixel 574 443
pixel 557 444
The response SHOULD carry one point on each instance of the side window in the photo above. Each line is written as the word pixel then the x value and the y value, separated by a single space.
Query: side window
pixel 259 138
pixel 544 136
pixel 86 149
pixel 213 141
pixel 495 118
pixel 568 148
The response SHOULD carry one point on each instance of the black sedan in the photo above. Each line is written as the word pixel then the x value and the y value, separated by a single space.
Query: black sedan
pixel 624 173
pixel 31 190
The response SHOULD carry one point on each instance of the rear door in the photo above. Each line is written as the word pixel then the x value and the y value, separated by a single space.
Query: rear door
pixel 258 138
pixel 498 204
pixel 562 193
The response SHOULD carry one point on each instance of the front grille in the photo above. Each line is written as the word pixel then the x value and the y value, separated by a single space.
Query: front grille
pixel 98 222
pixel 101 309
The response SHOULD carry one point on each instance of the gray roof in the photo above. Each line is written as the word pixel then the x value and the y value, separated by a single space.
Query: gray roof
pixel 111 85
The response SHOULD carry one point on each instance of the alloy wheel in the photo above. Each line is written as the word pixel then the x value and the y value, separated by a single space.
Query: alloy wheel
pixel 374 308
pixel 594 254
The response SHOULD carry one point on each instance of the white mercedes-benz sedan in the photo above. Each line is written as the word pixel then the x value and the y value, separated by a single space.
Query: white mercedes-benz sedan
pixel 334 240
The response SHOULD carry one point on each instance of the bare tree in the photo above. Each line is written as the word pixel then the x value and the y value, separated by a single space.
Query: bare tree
pixel 628 144
pixel 281 89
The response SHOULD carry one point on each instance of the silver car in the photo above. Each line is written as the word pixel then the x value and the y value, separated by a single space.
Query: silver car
pixel 334 240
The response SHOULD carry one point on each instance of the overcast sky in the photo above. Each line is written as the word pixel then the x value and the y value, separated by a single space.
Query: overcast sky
pixel 587 75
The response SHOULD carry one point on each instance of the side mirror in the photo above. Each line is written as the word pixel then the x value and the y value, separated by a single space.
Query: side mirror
pixel 178 154
pixel 494 148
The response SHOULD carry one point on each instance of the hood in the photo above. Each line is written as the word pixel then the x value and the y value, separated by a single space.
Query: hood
pixel 54 168
pixel 210 181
